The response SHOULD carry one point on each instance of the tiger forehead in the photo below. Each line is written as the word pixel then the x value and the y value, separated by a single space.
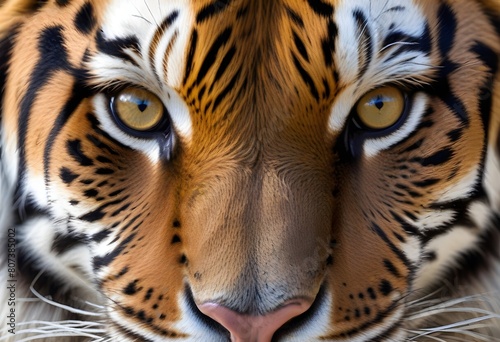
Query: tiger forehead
pixel 257 59
pixel 273 58
pixel 249 45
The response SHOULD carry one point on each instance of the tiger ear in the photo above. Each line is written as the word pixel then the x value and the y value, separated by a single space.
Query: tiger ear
pixel 11 11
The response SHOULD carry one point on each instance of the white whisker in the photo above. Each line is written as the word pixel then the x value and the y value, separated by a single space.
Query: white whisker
pixel 59 305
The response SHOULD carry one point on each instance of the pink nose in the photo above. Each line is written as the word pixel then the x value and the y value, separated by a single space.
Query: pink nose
pixel 246 328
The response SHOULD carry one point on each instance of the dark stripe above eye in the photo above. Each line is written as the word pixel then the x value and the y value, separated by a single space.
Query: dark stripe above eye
pixel 365 42
pixel 85 19
pixel 62 3
pixel 407 43
pixel 190 57
pixel 166 23
pixel 328 43
pixel 212 9
pixel 117 47
pixel 447 28
pixel 321 8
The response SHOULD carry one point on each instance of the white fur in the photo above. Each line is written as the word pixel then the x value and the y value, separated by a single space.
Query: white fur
pixel 380 71
pixel 127 18
pixel 447 247
pixel 461 189
pixel 430 219
pixel 491 180
pixel 37 236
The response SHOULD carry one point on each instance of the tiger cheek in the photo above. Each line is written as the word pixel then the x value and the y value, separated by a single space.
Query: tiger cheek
pixel 133 219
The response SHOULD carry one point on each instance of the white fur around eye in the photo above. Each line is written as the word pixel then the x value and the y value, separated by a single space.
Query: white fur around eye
pixel 150 147
pixel 374 146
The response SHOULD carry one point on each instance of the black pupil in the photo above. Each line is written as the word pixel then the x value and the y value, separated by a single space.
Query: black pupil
pixel 142 105
pixel 379 102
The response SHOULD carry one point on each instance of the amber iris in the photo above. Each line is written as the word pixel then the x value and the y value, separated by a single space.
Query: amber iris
pixel 138 109
pixel 381 108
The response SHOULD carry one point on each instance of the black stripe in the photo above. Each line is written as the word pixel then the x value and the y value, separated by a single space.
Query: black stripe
pixel 226 91
pixel 321 8
pixel 490 59
pixel 85 20
pixel 117 47
pixel 103 234
pixel 409 229
pixel 212 53
pixel 190 57
pixel 241 12
pixel 67 176
pixel 78 93
pixel 436 159
pixel 99 262
pixel 494 18
pixel 62 3
pixel 223 66
pixel 120 210
pixel 169 20
pixel 53 57
pixel 447 29
pixel 406 43
pixel 426 182
pixel 389 266
pixel 475 261
pixel 99 213
pixel 294 16
pixel 64 242
pixel 98 142
pixel 328 43
pixel 299 44
pixel 6 45
pixel 165 24
pixel 365 40
pixel 442 89
pixel 74 149
pixel 306 78
pixel 455 134
pixel 211 9
pixel 400 255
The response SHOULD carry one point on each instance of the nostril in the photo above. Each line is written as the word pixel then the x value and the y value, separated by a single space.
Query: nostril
pixel 247 328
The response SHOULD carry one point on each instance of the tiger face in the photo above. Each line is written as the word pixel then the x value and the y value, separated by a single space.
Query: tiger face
pixel 318 170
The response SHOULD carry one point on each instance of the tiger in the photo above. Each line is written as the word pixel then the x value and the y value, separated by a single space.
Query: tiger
pixel 250 170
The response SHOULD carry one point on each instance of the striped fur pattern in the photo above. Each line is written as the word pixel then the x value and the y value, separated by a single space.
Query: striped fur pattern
pixel 259 185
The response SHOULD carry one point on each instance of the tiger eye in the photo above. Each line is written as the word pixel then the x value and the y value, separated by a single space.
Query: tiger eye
pixel 381 108
pixel 138 109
